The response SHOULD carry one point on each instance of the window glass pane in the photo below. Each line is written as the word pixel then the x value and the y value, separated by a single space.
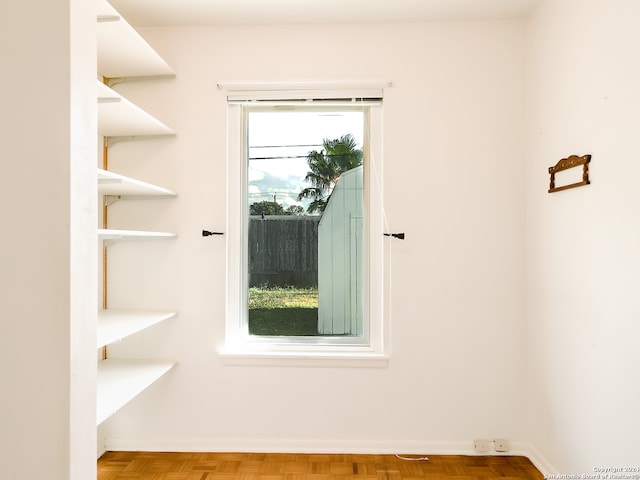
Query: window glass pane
pixel 305 196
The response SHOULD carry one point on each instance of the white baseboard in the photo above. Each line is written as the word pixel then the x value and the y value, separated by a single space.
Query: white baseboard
pixel 309 446
pixel 540 462
pixel 285 446
pixel 102 446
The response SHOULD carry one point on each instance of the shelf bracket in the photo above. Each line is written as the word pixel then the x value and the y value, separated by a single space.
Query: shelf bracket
pixel 111 199
pixel 110 82
pixel 109 99
pixel 108 18
pixel 110 141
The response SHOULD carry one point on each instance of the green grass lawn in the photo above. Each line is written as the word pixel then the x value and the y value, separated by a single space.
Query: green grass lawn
pixel 283 311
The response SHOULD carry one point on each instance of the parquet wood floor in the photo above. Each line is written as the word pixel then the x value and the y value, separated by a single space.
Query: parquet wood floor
pixel 271 466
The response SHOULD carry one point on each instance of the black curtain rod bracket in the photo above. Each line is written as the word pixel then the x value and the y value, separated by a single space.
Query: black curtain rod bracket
pixel 399 236
pixel 207 233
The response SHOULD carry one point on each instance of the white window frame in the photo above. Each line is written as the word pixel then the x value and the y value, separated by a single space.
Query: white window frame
pixel 240 348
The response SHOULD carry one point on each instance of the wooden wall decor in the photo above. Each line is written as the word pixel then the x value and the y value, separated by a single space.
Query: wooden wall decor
pixel 565 164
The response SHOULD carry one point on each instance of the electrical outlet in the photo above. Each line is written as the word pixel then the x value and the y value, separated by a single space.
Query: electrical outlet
pixel 501 445
pixel 481 445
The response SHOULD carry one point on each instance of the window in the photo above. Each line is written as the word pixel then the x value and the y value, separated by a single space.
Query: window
pixel 305 262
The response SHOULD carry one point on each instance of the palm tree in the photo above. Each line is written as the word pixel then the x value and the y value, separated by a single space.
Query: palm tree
pixel 325 168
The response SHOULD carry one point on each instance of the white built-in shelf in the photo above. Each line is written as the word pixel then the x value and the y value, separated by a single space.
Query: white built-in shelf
pixel 118 117
pixel 116 324
pixel 120 381
pixel 122 52
pixel 110 183
pixel 124 55
pixel 106 94
pixel 110 234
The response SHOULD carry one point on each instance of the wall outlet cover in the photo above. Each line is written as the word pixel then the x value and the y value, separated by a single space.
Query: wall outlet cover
pixel 481 445
pixel 501 445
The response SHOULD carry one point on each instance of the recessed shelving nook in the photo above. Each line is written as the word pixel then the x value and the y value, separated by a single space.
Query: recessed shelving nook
pixel 124 56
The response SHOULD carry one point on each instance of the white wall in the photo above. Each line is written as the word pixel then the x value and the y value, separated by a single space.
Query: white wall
pixel 584 261
pixel 454 120
pixel 47 246
pixel 454 181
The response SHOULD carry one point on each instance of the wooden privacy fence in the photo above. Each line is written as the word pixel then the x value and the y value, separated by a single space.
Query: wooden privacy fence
pixel 283 250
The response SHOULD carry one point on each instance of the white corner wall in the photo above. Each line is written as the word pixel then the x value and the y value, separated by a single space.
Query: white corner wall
pixel 48 246
pixel 583 256
pixel 454 177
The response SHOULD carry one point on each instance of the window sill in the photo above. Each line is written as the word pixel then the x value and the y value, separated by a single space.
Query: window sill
pixel 303 359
